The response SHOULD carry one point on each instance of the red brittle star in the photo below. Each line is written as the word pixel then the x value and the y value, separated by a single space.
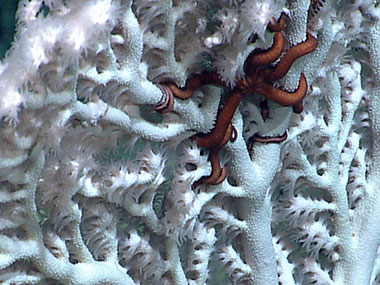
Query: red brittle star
pixel 259 78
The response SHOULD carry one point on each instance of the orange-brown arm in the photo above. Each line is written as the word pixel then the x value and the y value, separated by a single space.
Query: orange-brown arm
pixel 290 56
pixel 222 122
pixel 208 78
pixel 266 57
pixel 277 26
pixel 282 97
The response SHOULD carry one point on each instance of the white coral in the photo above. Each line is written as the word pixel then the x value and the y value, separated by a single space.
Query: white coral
pixel 96 187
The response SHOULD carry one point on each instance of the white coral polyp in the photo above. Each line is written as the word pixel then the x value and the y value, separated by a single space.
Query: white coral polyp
pixel 235 267
pixel 315 236
pixel 28 13
pixel 182 196
pixel 230 64
pixel 230 23
pixel 99 12
pixel 258 14
pixel 10 103
pixel 152 160
pixel 90 20
pixel 214 40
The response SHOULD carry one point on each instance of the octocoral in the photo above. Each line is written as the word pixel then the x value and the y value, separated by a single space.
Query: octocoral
pixel 101 173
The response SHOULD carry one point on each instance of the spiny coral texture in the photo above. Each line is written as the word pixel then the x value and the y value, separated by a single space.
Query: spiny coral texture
pixel 96 187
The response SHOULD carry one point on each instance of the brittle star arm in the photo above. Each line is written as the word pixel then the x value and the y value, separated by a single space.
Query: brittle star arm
pixel 208 78
pixel 218 174
pixel 277 26
pixel 257 138
pixel 290 56
pixel 262 58
pixel 222 122
pixel 282 97
pixel 167 101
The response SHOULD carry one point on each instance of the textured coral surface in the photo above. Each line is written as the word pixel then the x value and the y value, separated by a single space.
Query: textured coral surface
pixel 99 185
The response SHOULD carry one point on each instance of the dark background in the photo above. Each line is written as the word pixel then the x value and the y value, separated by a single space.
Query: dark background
pixel 7 24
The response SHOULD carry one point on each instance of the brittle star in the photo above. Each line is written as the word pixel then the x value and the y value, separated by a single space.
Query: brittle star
pixel 258 79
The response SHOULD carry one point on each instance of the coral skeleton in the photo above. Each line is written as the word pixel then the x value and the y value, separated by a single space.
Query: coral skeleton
pixel 191 142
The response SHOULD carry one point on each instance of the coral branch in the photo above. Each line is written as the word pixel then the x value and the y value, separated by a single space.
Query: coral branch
pixel 151 142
